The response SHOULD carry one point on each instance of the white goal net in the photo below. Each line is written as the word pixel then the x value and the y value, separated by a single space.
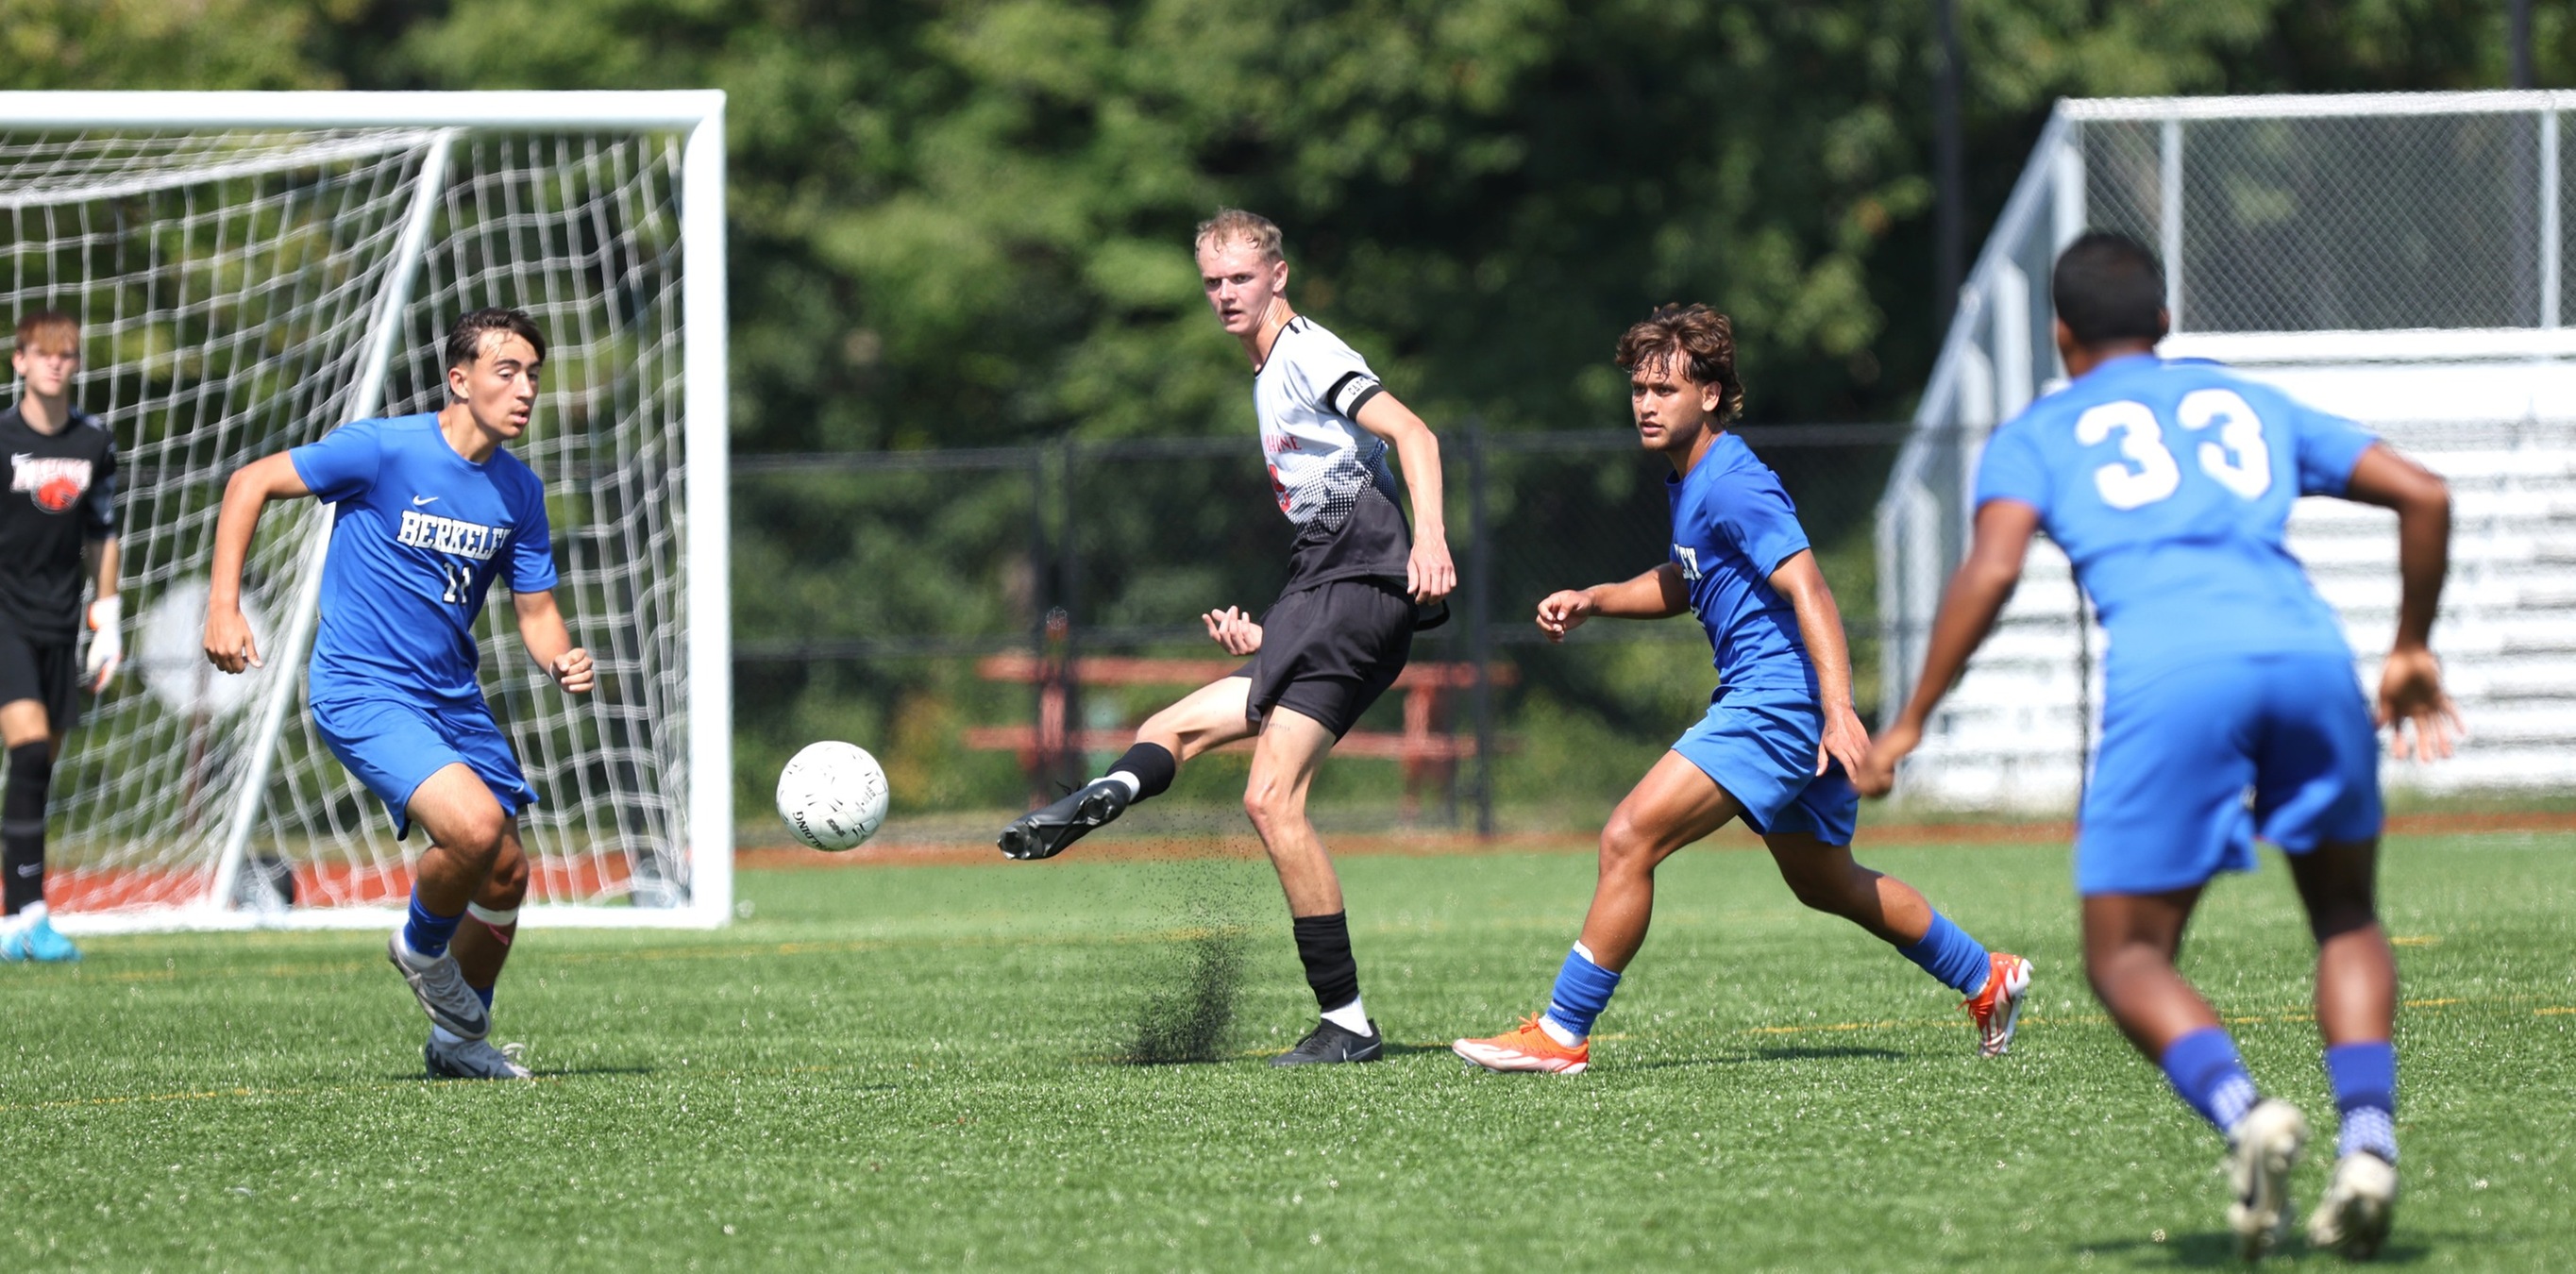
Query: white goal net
pixel 252 270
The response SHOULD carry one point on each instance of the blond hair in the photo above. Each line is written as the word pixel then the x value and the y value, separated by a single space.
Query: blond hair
pixel 1234 225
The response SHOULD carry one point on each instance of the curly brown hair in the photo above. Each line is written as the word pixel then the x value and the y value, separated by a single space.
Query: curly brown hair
pixel 1704 336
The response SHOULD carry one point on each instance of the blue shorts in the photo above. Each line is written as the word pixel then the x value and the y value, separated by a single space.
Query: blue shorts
pixel 1760 745
pixel 2181 750
pixel 393 746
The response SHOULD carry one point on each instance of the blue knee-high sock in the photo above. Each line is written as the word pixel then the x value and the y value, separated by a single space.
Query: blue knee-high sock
pixel 1582 990
pixel 427 932
pixel 2365 1088
pixel 1948 953
pixel 2205 1070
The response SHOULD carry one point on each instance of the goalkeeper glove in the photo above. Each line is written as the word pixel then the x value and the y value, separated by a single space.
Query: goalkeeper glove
pixel 106 643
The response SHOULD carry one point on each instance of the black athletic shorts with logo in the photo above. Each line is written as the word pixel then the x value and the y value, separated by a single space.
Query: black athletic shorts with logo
pixel 1329 651
pixel 45 671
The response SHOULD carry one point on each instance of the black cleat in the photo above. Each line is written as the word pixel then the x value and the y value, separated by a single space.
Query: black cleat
pixel 1047 832
pixel 1331 1043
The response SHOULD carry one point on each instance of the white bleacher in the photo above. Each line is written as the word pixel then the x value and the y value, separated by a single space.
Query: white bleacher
pixel 2492 408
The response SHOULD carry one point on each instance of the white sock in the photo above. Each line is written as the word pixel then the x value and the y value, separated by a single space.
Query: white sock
pixel 444 1035
pixel 1133 783
pixel 1558 1033
pixel 1352 1017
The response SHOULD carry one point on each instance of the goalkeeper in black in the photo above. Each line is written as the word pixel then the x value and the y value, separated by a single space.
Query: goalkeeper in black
pixel 57 525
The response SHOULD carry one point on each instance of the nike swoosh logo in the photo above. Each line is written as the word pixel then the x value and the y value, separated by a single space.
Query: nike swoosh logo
pixel 419 500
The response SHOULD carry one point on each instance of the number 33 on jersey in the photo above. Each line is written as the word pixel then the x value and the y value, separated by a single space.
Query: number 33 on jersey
pixel 2169 486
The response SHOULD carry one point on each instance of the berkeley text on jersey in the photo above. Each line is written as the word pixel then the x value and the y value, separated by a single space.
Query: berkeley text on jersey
pixel 451 535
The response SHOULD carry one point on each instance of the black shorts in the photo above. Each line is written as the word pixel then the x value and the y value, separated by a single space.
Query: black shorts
pixel 1329 651
pixel 45 671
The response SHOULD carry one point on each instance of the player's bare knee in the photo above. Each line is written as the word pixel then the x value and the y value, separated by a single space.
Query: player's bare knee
pixel 1271 805
pixel 507 886
pixel 1628 849
pixel 1819 892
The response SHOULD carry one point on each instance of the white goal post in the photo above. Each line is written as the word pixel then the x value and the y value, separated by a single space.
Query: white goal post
pixel 251 270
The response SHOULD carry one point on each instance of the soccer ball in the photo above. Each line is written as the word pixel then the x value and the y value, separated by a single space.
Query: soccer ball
pixel 833 795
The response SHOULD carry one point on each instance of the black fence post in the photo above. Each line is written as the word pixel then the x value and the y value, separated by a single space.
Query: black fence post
pixel 1069 763
pixel 1480 645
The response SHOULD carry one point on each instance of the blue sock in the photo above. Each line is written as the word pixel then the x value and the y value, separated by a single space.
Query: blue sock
pixel 427 932
pixel 2205 1070
pixel 1948 953
pixel 1582 991
pixel 2365 1088
pixel 483 993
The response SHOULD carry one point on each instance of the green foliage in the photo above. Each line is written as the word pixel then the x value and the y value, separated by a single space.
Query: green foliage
pixel 920 1068
pixel 966 223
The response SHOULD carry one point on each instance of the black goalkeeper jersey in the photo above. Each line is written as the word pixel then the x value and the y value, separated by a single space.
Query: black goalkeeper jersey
pixel 62 493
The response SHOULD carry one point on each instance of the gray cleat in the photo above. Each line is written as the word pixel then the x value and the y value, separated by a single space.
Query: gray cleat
pixel 440 987
pixel 2353 1217
pixel 2261 1150
pixel 470 1059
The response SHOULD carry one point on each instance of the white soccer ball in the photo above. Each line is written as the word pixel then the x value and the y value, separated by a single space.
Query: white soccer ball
pixel 833 795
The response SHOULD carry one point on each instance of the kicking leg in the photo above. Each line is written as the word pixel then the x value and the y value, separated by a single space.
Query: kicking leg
pixel 466 828
pixel 482 944
pixel 1826 878
pixel 1292 745
pixel 2130 943
pixel 1676 804
pixel 1209 717
pixel 27 933
pixel 2356 1012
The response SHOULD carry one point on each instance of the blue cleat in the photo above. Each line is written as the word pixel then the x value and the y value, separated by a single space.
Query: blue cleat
pixel 31 936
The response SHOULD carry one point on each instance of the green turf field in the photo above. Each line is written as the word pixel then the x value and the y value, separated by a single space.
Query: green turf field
pixel 935 1067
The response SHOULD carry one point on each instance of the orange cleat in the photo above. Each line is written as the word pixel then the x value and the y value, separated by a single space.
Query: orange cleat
pixel 1998 1007
pixel 1529 1048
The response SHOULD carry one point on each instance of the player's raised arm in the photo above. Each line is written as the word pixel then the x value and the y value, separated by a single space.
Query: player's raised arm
pixel 1657 594
pixel 1820 625
pixel 229 643
pixel 549 641
pixel 1976 595
pixel 1429 574
pixel 2410 683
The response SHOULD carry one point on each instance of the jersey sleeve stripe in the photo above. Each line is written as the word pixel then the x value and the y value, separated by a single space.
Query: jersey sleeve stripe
pixel 1350 393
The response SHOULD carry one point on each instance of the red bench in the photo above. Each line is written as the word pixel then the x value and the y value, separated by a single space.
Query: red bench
pixel 1426 750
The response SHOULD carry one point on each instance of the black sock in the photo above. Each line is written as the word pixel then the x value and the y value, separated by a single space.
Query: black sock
pixel 1153 766
pixel 1324 943
pixel 22 824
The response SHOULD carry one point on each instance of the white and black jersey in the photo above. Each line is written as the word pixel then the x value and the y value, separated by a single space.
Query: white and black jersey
pixel 62 495
pixel 1330 475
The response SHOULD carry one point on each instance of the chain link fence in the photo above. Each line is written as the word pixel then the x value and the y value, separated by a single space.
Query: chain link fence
pixel 994 623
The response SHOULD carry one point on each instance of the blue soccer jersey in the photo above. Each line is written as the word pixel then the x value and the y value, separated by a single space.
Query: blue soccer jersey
pixel 1732 527
pixel 2169 486
pixel 417 537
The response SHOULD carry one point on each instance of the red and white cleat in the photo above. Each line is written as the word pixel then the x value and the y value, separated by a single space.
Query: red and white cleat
pixel 1529 1048
pixel 1998 1007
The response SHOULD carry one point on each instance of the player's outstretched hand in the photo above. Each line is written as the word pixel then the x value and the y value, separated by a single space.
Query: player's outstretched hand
pixel 229 644
pixel 1428 573
pixel 1876 773
pixel 2411 695
pixel 1563 611
pixel 1846 740
pixel 1234 630
pixel 572 670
